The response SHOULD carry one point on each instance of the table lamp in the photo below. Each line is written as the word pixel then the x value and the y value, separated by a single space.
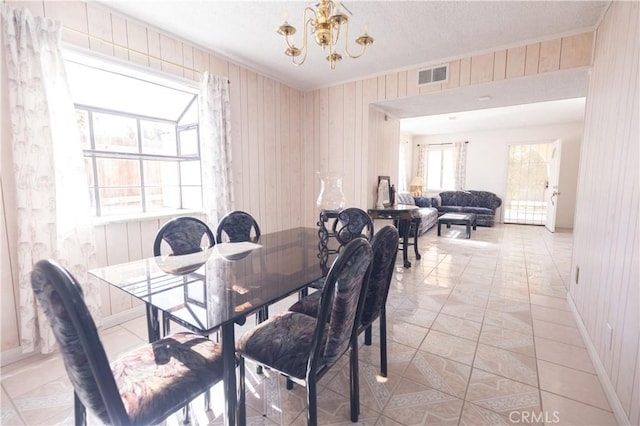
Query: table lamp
pixel 416 185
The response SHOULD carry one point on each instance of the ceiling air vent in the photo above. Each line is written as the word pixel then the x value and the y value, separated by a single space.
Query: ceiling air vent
pixel 436 74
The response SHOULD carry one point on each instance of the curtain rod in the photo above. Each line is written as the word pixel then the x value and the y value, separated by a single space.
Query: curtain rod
pixel 438 144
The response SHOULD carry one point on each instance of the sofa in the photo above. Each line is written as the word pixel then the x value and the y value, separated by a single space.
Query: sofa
pixel 428 210
pixel 482 203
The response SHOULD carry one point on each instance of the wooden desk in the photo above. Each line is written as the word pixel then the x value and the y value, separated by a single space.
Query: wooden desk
pixel 405 217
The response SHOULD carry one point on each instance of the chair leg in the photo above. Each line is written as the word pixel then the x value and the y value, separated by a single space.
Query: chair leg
pixel 367 335
pixel 241 408
pixel 166 325
pixel 80 413
pixel 312 402
pixel 207 400
pixel 383 342
pixel 354 381
pixel 185 415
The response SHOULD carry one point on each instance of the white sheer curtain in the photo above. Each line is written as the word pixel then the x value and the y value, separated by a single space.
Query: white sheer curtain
pixel 215 147
pixel 423 149
pixel 52 199
pixel 459 165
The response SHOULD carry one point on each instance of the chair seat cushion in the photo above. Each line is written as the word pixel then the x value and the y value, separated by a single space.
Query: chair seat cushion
pixel 157 377
pixel 282 342
pixel 308 305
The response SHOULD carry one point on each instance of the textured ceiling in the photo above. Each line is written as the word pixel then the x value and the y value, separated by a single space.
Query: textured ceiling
pixel 408 34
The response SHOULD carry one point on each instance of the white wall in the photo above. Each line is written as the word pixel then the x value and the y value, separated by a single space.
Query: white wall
pixel 487 156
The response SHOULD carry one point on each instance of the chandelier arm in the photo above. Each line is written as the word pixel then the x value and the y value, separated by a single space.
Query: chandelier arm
pixel 304 41
pixel 346 44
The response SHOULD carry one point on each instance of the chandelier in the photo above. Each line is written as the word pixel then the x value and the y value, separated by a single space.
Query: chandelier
pixel 325 23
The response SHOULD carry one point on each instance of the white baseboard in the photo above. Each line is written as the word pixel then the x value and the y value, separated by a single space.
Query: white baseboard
pixel 607 386
pixel 15 354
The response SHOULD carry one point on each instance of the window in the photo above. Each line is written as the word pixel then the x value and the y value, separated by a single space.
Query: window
pixel 440 173
pixel 140 139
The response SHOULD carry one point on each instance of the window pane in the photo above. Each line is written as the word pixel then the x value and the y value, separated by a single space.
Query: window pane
pixel 191 115
pixel 192 197
pixel 434 162
pixel 120 200
pixel 190 173
pixel 447 169
pixel 189 141
pixel 113 172
pixel 88 167
pixel 115 133
pixel 158 138
pixel 159 173
pixel 83 128
pixel 164 197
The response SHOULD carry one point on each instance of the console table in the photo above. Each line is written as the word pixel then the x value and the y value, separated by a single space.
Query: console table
pixel 406 217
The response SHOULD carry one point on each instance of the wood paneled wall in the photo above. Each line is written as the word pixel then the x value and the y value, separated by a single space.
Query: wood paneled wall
pixel 606 227
pixel 342 118
pixel 266 134
pixel 281 136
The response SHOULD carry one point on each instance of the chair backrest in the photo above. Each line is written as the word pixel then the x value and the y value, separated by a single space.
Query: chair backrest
pixel 352 223
pixel 84 357
pixel 184 235
pixel 385 251
pixel 342 302
pixel 236 227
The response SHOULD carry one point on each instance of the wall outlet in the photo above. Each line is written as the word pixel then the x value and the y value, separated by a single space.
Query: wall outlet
pixel 577 274
pixel 609 336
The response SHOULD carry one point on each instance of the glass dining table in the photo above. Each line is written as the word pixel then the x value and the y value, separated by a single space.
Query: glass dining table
pixel 215 289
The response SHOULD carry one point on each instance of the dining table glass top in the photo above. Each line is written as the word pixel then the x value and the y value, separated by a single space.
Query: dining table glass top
pixel 207 289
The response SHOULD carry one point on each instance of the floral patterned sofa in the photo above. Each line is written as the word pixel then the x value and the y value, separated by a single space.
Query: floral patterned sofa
pixel 482 203
pixel 428 210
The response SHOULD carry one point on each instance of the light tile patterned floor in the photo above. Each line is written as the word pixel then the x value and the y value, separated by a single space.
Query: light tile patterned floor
pixel 479 333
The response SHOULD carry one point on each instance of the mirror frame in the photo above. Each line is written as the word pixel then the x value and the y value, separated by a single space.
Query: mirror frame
pixel 384 187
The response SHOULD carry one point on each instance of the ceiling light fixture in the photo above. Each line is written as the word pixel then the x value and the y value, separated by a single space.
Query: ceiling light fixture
pixel 325 24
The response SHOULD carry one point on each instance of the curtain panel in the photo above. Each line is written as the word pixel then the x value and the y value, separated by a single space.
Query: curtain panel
pixel 215 147
pixel 459 165
pixel 52 199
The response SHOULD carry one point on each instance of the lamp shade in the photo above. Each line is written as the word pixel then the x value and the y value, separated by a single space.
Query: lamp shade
pixel 416 181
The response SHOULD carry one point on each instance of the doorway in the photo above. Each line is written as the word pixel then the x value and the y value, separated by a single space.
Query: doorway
pixel 532 182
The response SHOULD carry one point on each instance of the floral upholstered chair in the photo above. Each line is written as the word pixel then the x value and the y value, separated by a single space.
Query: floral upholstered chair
pixel 304 348
pixel 236 227
pixel 352 223
pixel 385 251
pixel 141 387
pixel 184 235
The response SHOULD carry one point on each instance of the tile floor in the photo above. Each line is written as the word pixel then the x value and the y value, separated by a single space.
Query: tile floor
pixel 479 333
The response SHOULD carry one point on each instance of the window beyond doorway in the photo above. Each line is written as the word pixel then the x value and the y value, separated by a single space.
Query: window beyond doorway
pixel 140 139
pixel 439 173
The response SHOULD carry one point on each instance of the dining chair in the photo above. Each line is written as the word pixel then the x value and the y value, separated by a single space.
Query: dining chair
pixel 141 387
pixel 237 226
pixel 385 251
pixel 304 348
pixel 183 235
pixel 350 223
